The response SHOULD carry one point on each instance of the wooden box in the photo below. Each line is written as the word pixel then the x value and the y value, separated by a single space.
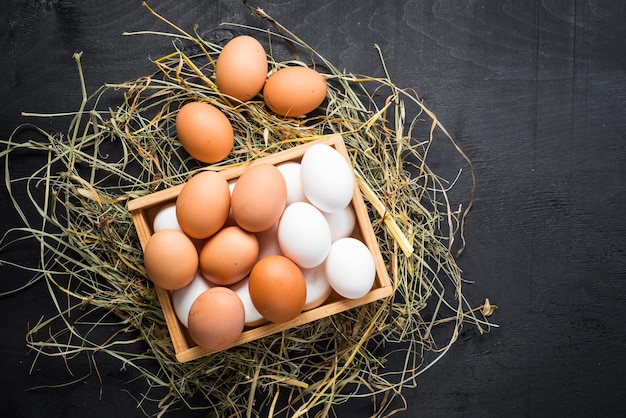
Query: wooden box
pixel 143 210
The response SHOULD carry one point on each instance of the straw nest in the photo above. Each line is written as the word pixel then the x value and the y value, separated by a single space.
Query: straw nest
pixel 91 260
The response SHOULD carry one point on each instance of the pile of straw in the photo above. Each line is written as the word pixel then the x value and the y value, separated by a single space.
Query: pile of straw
pixel 91 260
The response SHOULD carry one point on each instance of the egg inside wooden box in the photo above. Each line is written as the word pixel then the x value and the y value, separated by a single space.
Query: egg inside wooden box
pixel 322 301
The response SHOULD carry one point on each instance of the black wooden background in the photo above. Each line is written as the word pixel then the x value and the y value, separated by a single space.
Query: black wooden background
pixel 534 93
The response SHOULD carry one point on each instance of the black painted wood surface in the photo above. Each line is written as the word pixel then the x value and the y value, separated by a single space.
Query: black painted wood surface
pixel 534 93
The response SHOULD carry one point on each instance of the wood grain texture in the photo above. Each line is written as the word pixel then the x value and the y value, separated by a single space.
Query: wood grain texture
pixel 534 93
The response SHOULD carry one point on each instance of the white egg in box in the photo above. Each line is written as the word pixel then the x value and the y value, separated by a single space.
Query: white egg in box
pixel 268 242
pixel 304 235
pixel 291 173
pixel 350 268
pixel 327 178
pixel 341 223
pixel 183 298
pixel 317 287
pixel 166 218
pixel 252 316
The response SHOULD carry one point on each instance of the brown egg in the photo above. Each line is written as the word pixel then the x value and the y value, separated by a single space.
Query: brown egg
pixel 216 318
pixel 294 91
pixel 241 68
pixel 203 204
pixel 204 132
pixel 259 198
pixel 170 259
pixel 228 256
pixel 277 288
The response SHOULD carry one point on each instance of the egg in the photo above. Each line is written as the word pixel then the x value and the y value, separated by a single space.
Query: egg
pixel 341 223
pixel 268 242
pixel 183 298
pixel 241 68
pixel 291 173
pixel 171 259
pixel 317 287
pixel 304 235
pixel 165 218
pixel 216 318
pixel 294 91
pixel 350 268
pixel 327 178
pixel 252 317
pixel 228 255
pixel 277 288
pixel 259 198
pixel 204 132
pixel 202 205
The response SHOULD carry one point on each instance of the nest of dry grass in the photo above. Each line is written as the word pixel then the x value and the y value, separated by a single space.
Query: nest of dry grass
pixel 91 260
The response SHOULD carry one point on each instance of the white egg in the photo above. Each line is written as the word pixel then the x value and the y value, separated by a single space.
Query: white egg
pixel 252 317
pixel 341 223
pixel 183 298
pixel 304 235
pixel 327 178
pixel 350 268
pixel 166 218
pixel 317 287
pixel 268 242
pixel 291 173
